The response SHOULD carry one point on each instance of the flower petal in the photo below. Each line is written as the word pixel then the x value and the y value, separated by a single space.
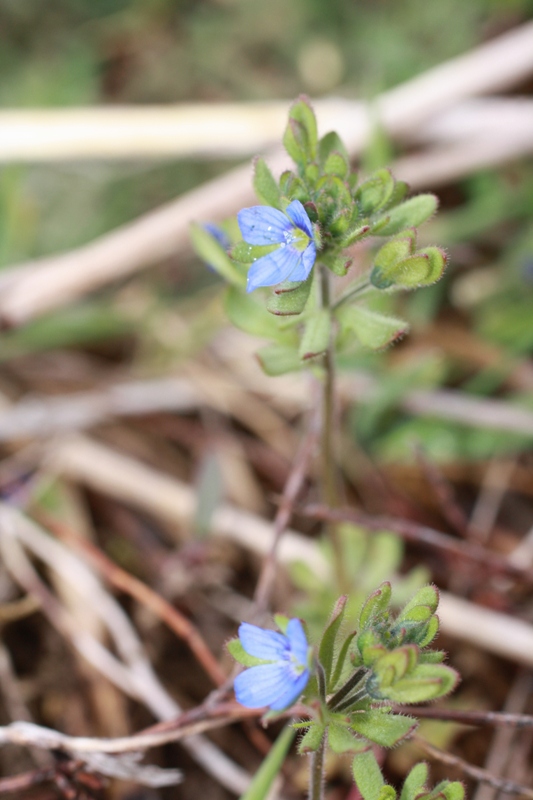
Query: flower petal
pixel 292 692
pixel 260 686
pixel 305 265
pixel 263 225
pixel 273 268
pixel 261 643
pixel 298 641
pixel 298 214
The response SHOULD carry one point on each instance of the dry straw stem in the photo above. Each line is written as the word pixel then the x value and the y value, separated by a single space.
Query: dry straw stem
pixel 471 771
pixel 32 288
pixel 142 487
pixel 125 582
pixel 238 130
pixel 131 670
pixel 39 417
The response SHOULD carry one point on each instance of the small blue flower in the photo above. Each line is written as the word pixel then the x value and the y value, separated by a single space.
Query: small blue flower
pixel 282 680
pixel 291 230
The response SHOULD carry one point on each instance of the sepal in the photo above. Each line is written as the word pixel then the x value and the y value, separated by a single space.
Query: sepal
pixel 240 655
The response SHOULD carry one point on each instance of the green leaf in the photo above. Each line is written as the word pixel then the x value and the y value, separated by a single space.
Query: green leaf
pixel 357 233
pixel 367 775
pixel 396 663
pixel 311 740
pixel 373 330
pixel 277 359
pixel 238 652
pixel 292 187
pixel 329 144
pixel 317 333
pixel 336 164
pixel 290 302
pixel 251 316
pixel 342 740
pixel 388 258
pixel 421 269
pixel 426 682
pixel 261 785
pixel 452 790
pixel 326 650
pixel 246 253
pixel 296 143
pixel 266 188
pixel 387 793
pixel 303 115
pixel 281 621
pixel 341 659
pixel 409 214
pixel 339 265
pixel 374 193
pixel 375 605
pixel 426 596
pixel 430 632
pixel 212 252
pixel 415 781
pixel 383 729
pixel 400 191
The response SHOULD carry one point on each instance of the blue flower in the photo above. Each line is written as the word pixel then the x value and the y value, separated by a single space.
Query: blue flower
pixel 282 680
pixel 291 230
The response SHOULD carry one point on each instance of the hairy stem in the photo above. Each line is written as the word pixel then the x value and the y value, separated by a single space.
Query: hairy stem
pixel 316 775
pixel 330 478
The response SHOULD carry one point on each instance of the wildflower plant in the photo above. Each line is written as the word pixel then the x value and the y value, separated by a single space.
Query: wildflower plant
pixel 347 690
pixel 348 685
pixel 301 235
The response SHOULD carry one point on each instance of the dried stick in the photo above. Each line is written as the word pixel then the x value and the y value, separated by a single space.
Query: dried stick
pixel 477 773
pixel 242 129
pixel 444 493
pixel 122 580
pixel 39 286
pixel 492 719
pixel 462 551
pixel 505 739
pixel 132 672
pixel 116 475
pixel 186 725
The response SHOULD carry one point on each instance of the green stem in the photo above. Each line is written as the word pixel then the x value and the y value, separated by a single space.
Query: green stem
pixel 316 776
pixel 359 287
pixel 330 478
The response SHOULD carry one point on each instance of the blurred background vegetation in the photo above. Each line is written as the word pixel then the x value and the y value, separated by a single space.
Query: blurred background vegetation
pixel 82 52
